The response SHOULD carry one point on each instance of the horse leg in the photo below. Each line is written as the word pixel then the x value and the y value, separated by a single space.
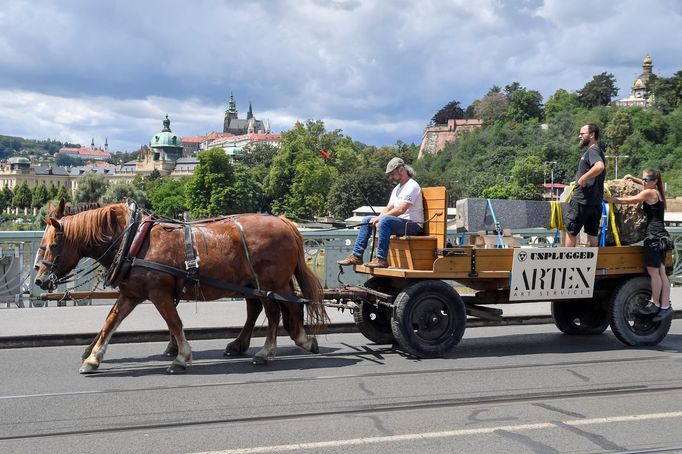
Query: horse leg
pixel 98 347
pixel 241 343
pixel 272 311
pixel 164 304
pixel 172 348
pixel 88 349
pixel 297 328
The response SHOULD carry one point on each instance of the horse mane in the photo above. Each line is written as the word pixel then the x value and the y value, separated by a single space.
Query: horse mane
pixel 75 209
pixel 93 226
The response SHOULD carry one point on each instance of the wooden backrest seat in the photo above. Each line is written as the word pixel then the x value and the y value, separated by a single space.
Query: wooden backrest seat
pixel 417 252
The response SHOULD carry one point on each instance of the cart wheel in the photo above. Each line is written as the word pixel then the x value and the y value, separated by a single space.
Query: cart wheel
pixel 374 321
pixel 580 317
pixel 629 327
pixel 429 319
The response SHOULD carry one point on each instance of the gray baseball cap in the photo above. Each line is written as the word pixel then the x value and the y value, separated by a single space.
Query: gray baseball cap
pixel 394 164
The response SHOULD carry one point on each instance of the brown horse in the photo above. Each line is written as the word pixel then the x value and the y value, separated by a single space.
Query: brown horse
pixel 275 256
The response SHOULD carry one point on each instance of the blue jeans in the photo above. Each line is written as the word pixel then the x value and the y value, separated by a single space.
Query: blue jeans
pixel 388 225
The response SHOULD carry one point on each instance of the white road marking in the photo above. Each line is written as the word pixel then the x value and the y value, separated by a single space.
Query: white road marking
pixel 444 434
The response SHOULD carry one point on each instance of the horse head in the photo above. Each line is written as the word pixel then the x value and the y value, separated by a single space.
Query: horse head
pixel 61 248
pixel 56 257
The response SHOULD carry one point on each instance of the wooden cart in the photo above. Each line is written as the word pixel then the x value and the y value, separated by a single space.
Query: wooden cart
pixel 409 303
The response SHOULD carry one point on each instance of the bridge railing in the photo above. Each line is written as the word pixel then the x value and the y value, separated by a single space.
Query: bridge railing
pixel 323 249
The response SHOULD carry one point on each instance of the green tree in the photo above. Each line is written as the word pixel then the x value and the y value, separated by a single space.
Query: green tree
pixel 64 160
pixel 528 170
pixel 246 192
pixel 451 110
pixel 300 178
pixel 52 190
pixel 118 192
pixel 667 91
pixel 91 188
pixel 492 107
pixel 258 153
pixel 169 198
pixel 206 188
pixel 63 193
pixel 497 191
pixel 40 195
pixel 599 91
pixel 22 196
pixel 362 187
pixel 618 130
pixel 561 103
pixel 525 105
pixel 6 196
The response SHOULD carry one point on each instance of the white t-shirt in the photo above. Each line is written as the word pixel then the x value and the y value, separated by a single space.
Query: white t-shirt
pixel 411 193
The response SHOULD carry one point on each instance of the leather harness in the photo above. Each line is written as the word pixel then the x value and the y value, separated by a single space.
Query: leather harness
pixel 131 245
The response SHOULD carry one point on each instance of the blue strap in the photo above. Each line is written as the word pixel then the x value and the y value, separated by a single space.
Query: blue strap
pixel 555 243
pixel 498 228
pixel 461 239
pixel 605 223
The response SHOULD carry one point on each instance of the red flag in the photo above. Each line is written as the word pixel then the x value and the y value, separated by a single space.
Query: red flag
pixel 326 155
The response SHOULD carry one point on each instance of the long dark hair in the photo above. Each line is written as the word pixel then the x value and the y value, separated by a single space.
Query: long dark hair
pixel 656 175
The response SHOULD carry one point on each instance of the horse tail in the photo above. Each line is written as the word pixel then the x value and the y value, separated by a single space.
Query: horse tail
pixel 309 284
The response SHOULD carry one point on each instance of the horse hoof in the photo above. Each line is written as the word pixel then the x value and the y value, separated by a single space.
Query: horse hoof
pixel 87 369
pixel 176 369
pixel 259 360
pixel 171 352
pixel 232 351
pixel 314 348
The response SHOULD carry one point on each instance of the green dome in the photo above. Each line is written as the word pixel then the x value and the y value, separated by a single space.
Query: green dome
pixel 20 160
pixel 165 138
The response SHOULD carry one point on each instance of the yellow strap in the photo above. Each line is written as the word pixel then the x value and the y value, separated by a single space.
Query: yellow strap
pixel 612 217
pixel 570 191
pixel 556 219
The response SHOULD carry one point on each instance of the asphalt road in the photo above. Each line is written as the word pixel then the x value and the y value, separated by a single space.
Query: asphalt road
pixel 506 389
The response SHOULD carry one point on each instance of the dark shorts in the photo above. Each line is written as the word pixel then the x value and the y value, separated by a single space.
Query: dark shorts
pixel 653 255
pixel 579 216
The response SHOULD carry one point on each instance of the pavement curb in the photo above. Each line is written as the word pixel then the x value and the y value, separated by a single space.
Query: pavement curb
pixel 125 337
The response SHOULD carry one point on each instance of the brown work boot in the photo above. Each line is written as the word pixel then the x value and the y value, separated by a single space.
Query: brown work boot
pixel 377 263
pixel 350 260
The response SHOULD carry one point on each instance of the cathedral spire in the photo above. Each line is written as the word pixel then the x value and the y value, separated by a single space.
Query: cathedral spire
pixel 231 111
pixel 249 115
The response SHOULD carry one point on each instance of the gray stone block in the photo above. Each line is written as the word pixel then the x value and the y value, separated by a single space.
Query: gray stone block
pixel 473 215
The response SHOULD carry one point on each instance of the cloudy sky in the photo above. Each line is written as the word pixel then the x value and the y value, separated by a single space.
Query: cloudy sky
pixel 74 70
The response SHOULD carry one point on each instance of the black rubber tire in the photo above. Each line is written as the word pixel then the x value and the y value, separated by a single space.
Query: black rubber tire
pixel 429 319
pixel 374 321
pixel 629 327
pixel 580 317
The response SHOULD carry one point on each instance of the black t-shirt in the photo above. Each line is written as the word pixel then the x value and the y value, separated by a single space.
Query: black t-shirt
pixel 593 192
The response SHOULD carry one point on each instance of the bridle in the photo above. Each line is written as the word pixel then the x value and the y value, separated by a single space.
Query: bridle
pixel 51 267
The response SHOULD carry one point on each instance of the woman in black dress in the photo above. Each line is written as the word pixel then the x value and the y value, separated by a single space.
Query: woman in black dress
pixel 656 243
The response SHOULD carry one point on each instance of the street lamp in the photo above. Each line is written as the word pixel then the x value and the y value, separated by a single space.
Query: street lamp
pixel 617 156
pixel 551 171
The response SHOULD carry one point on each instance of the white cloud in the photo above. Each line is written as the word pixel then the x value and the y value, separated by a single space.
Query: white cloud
pixel 377 69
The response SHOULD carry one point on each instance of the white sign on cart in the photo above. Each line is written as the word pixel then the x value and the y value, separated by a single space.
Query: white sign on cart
pixel 553 273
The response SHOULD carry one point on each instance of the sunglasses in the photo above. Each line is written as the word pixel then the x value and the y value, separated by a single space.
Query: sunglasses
pixel 648 180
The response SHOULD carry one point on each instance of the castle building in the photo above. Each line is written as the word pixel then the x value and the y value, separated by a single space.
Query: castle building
pixel 234 125
pixel 639 95
pixel 436 137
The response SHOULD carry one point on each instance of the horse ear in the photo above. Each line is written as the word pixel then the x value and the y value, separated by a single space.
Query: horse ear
pixel 60 209
pixel 53 222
